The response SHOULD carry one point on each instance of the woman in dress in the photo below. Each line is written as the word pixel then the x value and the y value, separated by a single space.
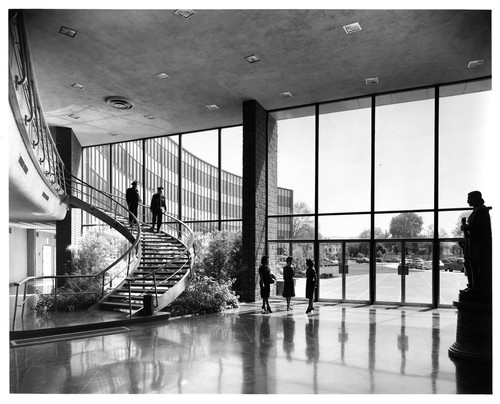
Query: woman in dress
pixel 310 284
pixel 288 287
pixel 265 280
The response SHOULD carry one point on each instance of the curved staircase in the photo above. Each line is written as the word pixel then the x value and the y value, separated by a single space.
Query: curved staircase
pixel 152 269
pixel 163 266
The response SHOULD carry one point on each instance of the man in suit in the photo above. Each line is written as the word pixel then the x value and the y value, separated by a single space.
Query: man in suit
pixel 133 200
pixel 157 207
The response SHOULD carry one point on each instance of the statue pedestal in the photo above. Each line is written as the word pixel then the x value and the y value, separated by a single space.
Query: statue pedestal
pixel 472 351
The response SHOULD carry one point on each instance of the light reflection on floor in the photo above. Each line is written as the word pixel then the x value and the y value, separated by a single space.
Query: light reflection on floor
pixel 339 349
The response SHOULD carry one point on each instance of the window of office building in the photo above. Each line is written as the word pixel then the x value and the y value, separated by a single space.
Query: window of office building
pixel 200 176
pixel 161 170
pixel 232 172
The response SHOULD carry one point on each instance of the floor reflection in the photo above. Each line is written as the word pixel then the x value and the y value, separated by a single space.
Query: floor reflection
pixel 343 349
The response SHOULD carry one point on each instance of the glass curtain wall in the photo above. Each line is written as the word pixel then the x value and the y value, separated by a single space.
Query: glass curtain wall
pixel 404 183
pixel 96 172
pixel 161 169
pixel 383 187
pixel 208 200
pixel 465 153
pixel 291 218
pixel 200 180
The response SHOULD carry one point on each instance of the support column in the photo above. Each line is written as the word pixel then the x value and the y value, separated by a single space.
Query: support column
pixel 68 230
pixel 259 131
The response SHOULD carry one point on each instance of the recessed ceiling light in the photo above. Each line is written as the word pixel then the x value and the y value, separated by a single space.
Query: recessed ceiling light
pixel 252 58
pixel 119 102
pixel 373 80
pixel 212 107
pixel 149 116
pixel 67 31
pixel 475 63
pixel 78 86
pixel 286 95
pixel 73 116
pixel 185 13
pixel 113 134
pixel 163 76
pixel 352 28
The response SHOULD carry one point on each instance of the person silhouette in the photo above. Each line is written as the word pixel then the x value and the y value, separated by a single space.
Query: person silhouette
pixel 133 199
pixel 310 284
pixel 265 280
pixel 288 285
pixel 157 207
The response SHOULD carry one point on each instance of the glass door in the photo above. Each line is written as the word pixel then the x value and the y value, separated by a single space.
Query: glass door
pixel 344 271
pixel 391 267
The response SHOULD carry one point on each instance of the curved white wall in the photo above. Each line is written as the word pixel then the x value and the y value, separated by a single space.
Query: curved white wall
pixel 30 198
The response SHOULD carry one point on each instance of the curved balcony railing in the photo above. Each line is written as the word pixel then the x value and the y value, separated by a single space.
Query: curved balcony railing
pixel 108 210
pixel 27 108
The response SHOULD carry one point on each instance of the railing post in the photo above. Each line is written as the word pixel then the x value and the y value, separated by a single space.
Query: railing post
pixel 55 296
pixel 129 298
pixel 15 308
pixel 24 300
pixel 156 290
pixel 103 281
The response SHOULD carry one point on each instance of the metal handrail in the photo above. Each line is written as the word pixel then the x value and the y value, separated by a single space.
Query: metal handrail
pixel 25 100
pixel 134 250
pixel 186 237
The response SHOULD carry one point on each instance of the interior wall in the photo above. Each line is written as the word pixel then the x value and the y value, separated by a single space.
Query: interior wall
pixel 18 257
pixel 21 248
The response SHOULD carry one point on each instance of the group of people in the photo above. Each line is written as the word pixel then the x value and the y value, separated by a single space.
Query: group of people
pixel 157 206
pixel 266 278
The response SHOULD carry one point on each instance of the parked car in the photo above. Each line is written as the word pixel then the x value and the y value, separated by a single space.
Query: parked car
pixel 393 259
pixel 362 260
pixel 417 263
pixel 451 264
pixel 428 265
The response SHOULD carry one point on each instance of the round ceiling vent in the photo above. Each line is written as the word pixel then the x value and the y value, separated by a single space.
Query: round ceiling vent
pixel 118 102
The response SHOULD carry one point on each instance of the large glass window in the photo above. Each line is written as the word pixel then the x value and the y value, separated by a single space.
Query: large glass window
pixel 200 176
pixel 295 165
pixel 345 156
pixel 466 137
pixel 161 170
pixel 400 181
pixel 404 151
pixel 232 172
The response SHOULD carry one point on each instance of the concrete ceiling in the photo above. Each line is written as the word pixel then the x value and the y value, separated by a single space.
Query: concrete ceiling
pixel 304 52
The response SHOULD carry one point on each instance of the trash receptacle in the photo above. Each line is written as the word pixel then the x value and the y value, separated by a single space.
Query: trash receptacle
pixel 148 308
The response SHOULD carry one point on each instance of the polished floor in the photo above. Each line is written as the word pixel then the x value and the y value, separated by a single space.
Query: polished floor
pixel 338 349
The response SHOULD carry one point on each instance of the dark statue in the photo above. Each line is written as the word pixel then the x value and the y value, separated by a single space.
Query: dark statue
pixel 477 247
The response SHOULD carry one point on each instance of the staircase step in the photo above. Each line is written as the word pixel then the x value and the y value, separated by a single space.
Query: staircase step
pixel 124 304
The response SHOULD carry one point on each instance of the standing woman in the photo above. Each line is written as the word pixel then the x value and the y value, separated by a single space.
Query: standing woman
pixel 265 280
pixel 288 287
pixel 310 283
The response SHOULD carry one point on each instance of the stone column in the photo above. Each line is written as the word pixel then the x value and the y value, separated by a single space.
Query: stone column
pixel 259 130
pixel 68 230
